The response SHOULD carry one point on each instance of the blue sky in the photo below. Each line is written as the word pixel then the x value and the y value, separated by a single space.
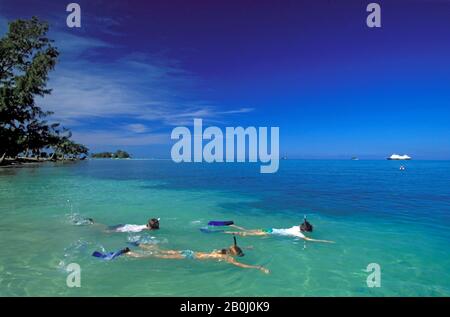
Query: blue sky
pixel 137 69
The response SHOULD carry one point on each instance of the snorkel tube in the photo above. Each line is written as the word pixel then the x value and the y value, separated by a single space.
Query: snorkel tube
pixel 235 248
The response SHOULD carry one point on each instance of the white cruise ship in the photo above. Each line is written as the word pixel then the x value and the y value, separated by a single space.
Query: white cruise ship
pixel 399 157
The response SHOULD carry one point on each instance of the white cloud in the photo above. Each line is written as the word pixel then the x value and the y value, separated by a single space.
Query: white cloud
pixel 120 138
pixel 241 110
pixel 137 128
pixel 127 87
pixel 71 45
pixel 138 87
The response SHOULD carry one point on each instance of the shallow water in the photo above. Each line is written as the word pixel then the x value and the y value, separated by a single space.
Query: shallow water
pixel 373 211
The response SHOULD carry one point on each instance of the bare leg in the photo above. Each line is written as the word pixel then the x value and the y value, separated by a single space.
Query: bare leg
pixel 102 227
pixel 248 233
pixel 238 233
pixel 175 255
pixel 160 253
pixel 149 246
pixel 239 228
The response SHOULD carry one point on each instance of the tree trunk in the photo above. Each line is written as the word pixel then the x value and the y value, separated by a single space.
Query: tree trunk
pixel 2 158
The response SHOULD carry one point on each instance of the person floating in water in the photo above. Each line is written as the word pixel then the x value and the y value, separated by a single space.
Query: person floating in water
pixel 152 224
pixel 227 255
pixel 294 231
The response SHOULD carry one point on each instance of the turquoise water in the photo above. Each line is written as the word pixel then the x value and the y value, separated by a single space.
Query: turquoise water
pixel 373 211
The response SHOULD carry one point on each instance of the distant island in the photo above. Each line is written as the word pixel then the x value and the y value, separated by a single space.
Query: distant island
pixel 119 154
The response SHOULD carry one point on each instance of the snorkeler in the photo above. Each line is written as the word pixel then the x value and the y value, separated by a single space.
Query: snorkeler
pixel 227 255
pixel 152 224
pixel 294 231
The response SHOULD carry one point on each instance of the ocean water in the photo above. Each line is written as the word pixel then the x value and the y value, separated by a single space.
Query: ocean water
pixel 373 211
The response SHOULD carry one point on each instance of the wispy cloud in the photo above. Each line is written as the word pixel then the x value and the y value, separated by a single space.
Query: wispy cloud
pixel 119 138
pixel 139 89
pixel 71 46
pixel 241 110
pixel 136 86
pixel 137 128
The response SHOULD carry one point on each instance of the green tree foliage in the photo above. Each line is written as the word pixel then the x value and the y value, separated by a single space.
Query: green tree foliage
pixel 64 147
pixel 27 55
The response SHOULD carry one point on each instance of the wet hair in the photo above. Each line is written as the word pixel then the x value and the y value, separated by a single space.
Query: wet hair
pixel 153 223
pixel 126 250
pixel 234 249
pixel 306 226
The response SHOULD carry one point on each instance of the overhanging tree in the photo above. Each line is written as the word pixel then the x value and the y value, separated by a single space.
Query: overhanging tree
pixel 27 56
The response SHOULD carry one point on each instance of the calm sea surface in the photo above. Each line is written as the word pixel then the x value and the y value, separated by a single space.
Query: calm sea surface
pixel 373 211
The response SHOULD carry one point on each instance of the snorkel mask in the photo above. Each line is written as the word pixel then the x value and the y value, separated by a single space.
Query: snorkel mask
pixel 153 223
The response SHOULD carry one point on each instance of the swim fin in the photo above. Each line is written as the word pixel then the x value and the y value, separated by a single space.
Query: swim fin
pixel 218 223
pixel 110 255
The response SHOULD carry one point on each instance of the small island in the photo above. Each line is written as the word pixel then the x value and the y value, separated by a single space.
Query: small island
pixel 119 154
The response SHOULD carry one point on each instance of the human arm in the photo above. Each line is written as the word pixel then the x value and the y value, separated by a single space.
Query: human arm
pixel 247 266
